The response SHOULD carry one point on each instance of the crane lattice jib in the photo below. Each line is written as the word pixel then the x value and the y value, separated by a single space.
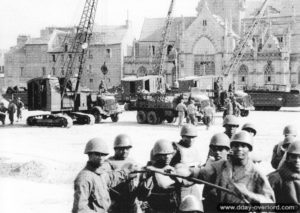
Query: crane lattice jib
pixel 82 37
pixel 165 38
pixel 241 47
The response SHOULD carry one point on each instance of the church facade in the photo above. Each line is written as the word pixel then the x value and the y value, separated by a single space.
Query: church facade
pixel 204 45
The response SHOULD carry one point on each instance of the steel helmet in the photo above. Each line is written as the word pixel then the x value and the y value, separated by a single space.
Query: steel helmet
pixel 162 146
pixel 190 203
pixel 220 139
pixel 249 126
pixel 290 130
pixel 122 140
pixel 230 120
pixel 243 137
pixel 96 145
pixel 288 140
pixel 189 130
pixel 294 148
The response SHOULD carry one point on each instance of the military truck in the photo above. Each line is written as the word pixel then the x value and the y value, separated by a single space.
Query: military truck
pixel 206 85
pixel 274 96
pixel 154 106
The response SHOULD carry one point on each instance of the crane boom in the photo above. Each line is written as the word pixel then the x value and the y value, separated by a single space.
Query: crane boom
pixel 162 51
pixel 80 42
pixel 240 48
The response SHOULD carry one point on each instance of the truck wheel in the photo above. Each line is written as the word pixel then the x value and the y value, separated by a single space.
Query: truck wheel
pixel 141 117
pixel 170 119
pixel 244 113
pixel 115 117
pixel 97 116
pixel 152 117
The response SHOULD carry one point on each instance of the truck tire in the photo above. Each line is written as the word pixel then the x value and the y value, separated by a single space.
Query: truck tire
pixel 152 117
pixel 244 113
pixel 141 117
pixel 170 119
pixel 114 117
pixel 97 116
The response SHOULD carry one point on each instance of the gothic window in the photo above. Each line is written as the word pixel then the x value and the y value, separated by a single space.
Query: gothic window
pixel 66 47
pixel 53 71
pixel 243 73
pixel 108 53
pixel 22 71
pixel 53 58
pixel 269 72
pixel 204 22
pixel 169 49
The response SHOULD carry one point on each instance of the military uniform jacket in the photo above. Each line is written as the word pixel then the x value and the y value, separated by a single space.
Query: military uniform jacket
pixel 277 155
pixel 92 189
pixel 221 173
pixel 286 185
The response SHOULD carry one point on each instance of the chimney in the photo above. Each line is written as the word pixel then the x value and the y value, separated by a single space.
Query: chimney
pixel 21 40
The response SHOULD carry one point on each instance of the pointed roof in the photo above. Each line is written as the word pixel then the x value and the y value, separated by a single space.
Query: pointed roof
pixel 152 28
pixel 271 45
pixel 104 35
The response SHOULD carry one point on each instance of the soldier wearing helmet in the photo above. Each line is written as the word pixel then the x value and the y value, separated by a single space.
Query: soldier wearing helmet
pixel 186 153
pixel 230 123
pixel 237 174
pixel 286 180
pixel 190 204
pixel 219 147
pixel 158 191
pixel 92 184
pixel 278 152
pixel 122 196
pixel 249 127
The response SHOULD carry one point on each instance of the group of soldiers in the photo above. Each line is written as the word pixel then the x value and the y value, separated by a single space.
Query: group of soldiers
pixel 165 185
pixel 11 109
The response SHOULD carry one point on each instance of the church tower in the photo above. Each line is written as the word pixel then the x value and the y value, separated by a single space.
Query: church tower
pixel 231 10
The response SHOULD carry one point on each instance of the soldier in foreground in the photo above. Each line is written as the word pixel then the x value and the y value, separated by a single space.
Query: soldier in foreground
pixel 249 127
pixel 218 148
pixel 238 174
pixel 187 154
pixel 159 193
pixel 92 184
pixel 123 196
pixel 278 153
pixel 286 180
pixel 230 123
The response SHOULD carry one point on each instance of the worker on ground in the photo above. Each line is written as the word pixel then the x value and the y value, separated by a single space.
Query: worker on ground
pixel 278 153
pixel 191 112
pixel 3 111
pixel 92 184
pixel 190 204
pixel 228 108
pixel 181 109
pixel 230 123
pixel 123 196
pixel 159 193
pixel 186 153
pixel 249 127
pixel 286 180
pixel 20 107
pixel 237 174
pixel 11 109
pixel 208 115
pixel 218 150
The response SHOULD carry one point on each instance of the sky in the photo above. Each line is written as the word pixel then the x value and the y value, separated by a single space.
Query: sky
pixel 28 17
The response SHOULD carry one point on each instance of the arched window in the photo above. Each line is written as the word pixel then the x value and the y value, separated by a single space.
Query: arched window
pixel 243 73
pixel 269 72
pixel 142 71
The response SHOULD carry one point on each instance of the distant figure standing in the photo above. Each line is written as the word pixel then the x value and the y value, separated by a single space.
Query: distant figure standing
pixel 20 107
pixel 3 111
pixel 181 108
pixel 11 111
pixel 208 112
pixel 191 111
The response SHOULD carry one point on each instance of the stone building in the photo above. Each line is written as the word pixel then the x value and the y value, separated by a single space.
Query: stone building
pixel 203 45
pixel 35 57
pixel 2 52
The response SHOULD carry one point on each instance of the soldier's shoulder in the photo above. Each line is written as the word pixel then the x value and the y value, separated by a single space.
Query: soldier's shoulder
pixel 274 177
pixel 84 175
